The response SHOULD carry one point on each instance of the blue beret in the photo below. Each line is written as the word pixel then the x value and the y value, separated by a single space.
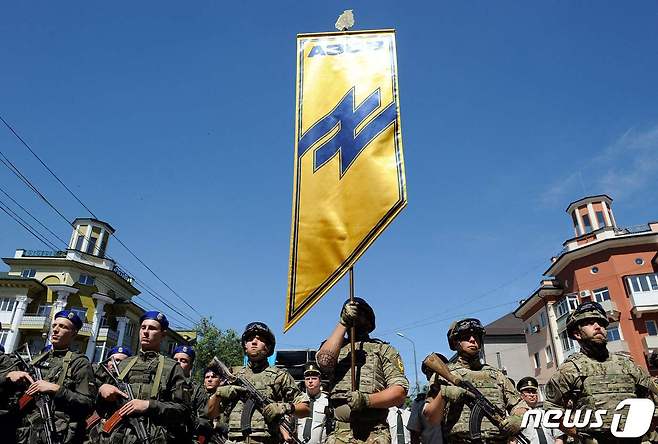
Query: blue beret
pixel 71 316
pixel 155 315
pixel 187 349
pixel 120 349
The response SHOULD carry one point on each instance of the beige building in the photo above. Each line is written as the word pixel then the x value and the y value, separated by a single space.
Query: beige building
pixel 505 347
pixel 80 278
pixel 615 266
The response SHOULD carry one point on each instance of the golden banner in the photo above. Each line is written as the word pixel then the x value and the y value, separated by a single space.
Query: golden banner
pixel 349 179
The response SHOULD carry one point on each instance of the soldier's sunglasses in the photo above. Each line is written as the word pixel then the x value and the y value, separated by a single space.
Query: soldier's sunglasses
pixel 256 326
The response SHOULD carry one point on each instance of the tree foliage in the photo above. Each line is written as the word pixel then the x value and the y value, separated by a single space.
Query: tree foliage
pixel 211 341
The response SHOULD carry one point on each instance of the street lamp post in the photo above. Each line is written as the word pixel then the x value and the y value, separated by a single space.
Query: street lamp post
pixel 413 346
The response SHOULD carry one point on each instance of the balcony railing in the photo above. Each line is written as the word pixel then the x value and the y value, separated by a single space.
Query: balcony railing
pixel 650 343
pixel 633 229
pixel 86 328
pixel 645 301
pixel 33 322
pixel 44 253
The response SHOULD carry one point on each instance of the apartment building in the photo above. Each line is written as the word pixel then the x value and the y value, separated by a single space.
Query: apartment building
pixel 615 266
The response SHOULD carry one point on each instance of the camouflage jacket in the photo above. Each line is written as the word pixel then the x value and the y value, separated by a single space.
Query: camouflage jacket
pixel 72 403
pixel 494 385
pixel 582 382
pixel 169 400
pixel 276 384
pixel 378 367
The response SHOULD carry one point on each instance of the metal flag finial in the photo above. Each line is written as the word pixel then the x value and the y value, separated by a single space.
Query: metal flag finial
pixel 345 20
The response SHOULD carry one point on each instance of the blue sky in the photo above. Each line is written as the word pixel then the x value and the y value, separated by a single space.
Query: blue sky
pixel 174 122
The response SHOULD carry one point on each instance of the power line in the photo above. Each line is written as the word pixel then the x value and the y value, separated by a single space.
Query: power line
pixel 25 225
pixel 92 213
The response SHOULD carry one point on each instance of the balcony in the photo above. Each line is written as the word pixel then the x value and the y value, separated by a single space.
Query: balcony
pixel 618 346
pixel 33 322
pixel 86 329
pixel 650 343
pixel 644 302
pixel 106 333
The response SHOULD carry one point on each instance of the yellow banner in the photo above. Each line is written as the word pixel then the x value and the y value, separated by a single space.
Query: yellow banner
pixel 349 172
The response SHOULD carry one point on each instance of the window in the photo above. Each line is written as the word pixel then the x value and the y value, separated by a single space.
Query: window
pixel 602 294
pixel 3 336
pixel 85 279
pixel 651 328
pixel 537 361
pixel 643 283
pixel 600 219
pixel 565 341
pixel 549 354
pixel 7 304
pixel 639 261
pixel 81 312
pixel 613 333
pixel 542 319
pixel 575 224
pixel 129 329
pixel 44 310
pixel 594 270
pixel 566 305
pixel 586 223
pixel 531 329
pixel 28 273
pixel 78 242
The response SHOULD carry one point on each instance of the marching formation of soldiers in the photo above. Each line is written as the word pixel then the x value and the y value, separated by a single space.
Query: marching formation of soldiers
pixel 58 397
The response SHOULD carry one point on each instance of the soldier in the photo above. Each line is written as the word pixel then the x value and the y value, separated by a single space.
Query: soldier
pixel 8 419
pixel 312 429
pixel 594 378
pixel 359 415
pixel 529 389
pixel 93 424
pixel 214 431
pixel 184 355
pixel 68 381
pixel 420 429
pixel 244 423
pixel 448 406
pixel 162 394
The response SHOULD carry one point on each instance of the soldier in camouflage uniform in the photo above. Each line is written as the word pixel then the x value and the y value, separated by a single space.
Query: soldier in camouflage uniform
pixel 214 430
pixel 247 425
pixel 68 380
pixel 446 405
pixel 594 378
pixel 359 413
pixel 162 393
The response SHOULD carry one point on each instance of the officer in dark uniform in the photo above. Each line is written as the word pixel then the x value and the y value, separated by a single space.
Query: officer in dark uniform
pixel 162 393
pixel 68 381
pixel 184 355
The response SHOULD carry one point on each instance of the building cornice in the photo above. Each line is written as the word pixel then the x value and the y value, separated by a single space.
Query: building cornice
pixel 589 199
pixel 628 240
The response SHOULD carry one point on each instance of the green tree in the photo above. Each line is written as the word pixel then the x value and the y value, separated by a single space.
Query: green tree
pixel 211 341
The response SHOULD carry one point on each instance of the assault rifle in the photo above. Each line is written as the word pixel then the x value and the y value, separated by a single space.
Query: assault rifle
pixel 255 400
pixel 480 406
pixel 42 400
pixel 136 422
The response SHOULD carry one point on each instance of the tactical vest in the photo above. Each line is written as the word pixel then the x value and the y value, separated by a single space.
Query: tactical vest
pixel 490 382
pixel 264 381
pixel 147 374
pixel 602 385
pixel 370 377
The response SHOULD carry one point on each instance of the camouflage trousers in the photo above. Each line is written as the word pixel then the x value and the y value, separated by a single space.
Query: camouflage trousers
pixel 355 433
pixel 32 431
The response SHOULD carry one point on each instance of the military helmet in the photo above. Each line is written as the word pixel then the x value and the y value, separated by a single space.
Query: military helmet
pixel 261 329
pixel 586 310
pixel 468 324
pixel 366 313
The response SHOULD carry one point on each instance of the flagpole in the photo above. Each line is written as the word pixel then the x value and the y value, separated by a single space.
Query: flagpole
pixel 352 333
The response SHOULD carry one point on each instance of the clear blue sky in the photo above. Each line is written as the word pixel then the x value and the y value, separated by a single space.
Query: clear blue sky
pixel 174 122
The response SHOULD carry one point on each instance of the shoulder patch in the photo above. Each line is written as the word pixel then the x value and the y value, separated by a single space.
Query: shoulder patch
pixel 399 363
